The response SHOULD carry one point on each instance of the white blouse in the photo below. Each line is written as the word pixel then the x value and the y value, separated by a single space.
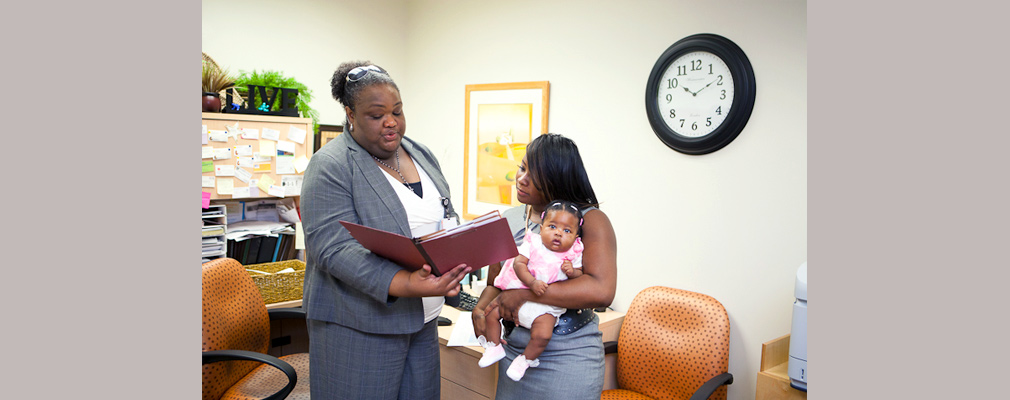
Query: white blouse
pixel 423 216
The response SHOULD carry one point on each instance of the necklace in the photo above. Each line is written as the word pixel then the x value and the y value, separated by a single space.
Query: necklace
pixel 397 169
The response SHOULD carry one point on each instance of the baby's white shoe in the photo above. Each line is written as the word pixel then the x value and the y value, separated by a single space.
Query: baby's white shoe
pixel 492 352
pixel 519 366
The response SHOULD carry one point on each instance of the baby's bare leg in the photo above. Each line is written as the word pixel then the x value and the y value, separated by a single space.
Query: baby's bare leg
pixel 492 326
pixel 540 334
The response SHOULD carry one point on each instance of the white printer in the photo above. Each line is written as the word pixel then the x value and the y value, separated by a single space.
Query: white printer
pixel 798 337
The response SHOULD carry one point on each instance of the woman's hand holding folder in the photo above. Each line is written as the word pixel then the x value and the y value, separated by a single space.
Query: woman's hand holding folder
pixel 422 282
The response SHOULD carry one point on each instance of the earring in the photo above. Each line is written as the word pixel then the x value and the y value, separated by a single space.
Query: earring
pixel 350 127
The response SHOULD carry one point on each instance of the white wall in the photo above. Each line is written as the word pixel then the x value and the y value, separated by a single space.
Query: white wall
pixel 306 40
pixel 731 224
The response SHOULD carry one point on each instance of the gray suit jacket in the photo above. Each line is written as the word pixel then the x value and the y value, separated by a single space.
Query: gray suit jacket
pixel 345 283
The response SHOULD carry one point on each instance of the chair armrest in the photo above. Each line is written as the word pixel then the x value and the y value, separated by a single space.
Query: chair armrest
pixel 286 313
pixel 706 390
pixel 229 355
pixel 609 347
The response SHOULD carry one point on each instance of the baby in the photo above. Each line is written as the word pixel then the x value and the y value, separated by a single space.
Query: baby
pixel 557 256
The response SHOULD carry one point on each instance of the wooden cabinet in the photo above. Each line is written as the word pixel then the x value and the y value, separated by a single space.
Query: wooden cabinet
pixel 773 378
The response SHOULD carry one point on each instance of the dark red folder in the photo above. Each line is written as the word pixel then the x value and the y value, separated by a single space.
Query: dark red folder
pixel 482 241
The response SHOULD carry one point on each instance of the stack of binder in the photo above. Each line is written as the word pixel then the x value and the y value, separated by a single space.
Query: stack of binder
pixel 263 249
pixel 213 233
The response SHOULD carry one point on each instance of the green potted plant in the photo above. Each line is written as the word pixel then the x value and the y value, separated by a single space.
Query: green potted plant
pixel 271 79
pixel 215 80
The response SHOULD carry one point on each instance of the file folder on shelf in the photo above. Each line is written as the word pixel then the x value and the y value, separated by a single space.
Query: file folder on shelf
pixel 482 241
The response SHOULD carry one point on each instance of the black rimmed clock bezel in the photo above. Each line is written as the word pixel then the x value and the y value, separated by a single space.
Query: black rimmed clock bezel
pixel 743 98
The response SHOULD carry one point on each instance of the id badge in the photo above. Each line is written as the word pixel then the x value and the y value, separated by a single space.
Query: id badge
pixel 448 223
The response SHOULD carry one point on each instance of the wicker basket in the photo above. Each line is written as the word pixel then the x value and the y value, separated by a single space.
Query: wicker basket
pixel 278 287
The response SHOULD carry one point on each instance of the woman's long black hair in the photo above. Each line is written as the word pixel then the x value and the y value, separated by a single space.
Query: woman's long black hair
pixel 557 170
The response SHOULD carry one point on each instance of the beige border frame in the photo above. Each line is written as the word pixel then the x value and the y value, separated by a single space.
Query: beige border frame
pixel 518 91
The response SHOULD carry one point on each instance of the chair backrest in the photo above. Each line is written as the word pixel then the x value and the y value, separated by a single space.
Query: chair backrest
pixel 672 341
pixel 234 318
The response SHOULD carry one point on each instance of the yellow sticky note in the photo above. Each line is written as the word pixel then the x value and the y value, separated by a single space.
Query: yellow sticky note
pixel 268 148
pixel 299 237
pixel 225 186
pixel 301 163
pixel 264 183
pixel 263 167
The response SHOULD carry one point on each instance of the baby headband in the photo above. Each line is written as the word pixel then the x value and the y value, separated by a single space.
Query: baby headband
pixel 575 210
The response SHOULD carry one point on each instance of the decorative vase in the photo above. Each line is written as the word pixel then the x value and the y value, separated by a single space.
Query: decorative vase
pixel 211 102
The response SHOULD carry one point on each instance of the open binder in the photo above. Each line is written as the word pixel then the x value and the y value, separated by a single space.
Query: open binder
pixel 484 240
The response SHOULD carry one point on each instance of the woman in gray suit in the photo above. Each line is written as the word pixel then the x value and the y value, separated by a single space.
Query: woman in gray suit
pixel 372 328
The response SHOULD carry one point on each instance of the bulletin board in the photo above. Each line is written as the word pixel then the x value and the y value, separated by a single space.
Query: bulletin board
pixel 288 144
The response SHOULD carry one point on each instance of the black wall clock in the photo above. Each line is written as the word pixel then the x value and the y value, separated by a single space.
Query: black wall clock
pixel 700 94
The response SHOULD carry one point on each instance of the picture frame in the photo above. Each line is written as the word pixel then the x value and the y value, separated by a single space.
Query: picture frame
pixel 500 120
pixel 326 133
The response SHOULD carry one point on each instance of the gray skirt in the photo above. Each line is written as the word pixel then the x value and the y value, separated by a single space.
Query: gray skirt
pixel 348 364
pixel 571 367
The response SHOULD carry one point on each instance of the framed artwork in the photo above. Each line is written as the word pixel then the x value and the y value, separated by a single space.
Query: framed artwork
pixel 326 133
pixel 501 119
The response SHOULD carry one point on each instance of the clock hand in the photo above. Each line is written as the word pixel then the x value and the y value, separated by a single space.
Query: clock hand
pixel 689 91
pixel 709 84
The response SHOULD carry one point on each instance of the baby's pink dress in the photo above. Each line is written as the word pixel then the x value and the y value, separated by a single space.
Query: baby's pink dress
pixel 544 263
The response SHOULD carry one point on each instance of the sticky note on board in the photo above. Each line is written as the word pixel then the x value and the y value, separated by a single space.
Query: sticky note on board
pixel 240 192
pixel 263 167
pixel 276 190
pixel 243 175
pixel 208 152
pixel 225 186
pixel 208 166
pixel 246 162
pixel 218 136
pixel 250 134
pixel 224 170
pixel 244 150
pixel 208 181
pixel 285 148
pixel 296 135
pixel 271 134
pixel 301 163
pixel 206 199
pixel 267 148
pixel 264 183
pixel 222 154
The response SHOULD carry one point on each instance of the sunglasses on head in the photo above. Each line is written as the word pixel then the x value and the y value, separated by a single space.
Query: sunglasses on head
pixel 359 72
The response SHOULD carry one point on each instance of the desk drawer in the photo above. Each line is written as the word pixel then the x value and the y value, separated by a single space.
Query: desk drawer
pixel 461 369
pixel 452 391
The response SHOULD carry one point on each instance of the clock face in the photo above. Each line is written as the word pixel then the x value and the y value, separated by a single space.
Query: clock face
pixel 695 94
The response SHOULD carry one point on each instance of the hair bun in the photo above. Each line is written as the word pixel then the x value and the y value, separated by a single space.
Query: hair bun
pixel 338 82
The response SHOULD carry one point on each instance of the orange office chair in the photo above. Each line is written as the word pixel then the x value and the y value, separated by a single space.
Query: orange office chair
pixel 236 328
pixel 674 344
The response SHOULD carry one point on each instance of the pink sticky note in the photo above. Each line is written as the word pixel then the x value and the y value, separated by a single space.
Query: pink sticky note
pixel 206 199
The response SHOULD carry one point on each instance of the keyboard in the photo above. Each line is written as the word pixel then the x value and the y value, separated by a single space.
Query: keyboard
pixel 466 301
